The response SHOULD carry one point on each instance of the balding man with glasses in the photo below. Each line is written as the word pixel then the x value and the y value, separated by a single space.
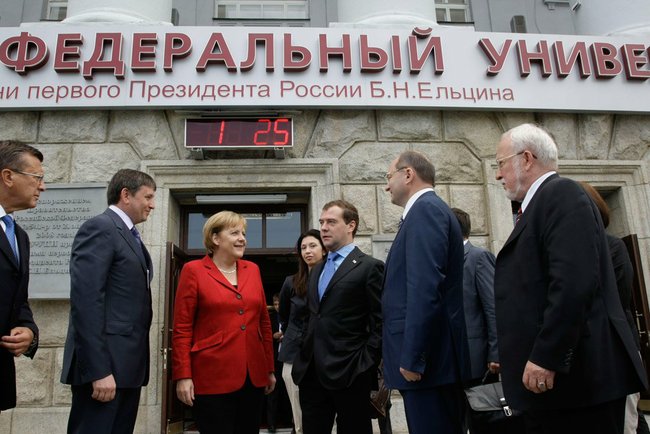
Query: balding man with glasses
pixel 20 187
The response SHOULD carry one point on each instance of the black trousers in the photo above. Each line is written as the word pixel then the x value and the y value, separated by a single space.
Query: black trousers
pixel 237 412
pixel 606 418
pixel 350 406
pixel 89 416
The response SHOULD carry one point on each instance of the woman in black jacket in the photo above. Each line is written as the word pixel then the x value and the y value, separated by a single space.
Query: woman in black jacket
pixel 294 312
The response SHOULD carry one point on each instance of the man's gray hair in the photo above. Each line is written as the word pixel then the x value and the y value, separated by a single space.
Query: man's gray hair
pixel 530 137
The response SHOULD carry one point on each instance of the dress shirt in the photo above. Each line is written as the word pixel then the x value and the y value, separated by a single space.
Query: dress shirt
pixel 413 198
pixel 125 218
pixel 343 252
pixel 533 189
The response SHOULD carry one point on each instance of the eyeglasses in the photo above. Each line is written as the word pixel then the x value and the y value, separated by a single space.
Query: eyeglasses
pixel 38 177
pixel 501 161
pixel 389 175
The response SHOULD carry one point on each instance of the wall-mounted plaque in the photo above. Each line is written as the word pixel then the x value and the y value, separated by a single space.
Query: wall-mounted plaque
pixel 51 226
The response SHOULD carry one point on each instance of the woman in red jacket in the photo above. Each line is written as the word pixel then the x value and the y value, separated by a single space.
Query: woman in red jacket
pixel 222 344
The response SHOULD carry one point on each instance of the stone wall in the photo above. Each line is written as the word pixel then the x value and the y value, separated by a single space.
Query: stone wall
pixel 352 151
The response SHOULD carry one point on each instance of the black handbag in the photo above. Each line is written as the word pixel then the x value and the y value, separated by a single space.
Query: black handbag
pixel 489 411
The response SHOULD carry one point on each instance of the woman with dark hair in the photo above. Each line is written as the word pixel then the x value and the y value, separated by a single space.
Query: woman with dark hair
pixel 624 273
pixel 294 312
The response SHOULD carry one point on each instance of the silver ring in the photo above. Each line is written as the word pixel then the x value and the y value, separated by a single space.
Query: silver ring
pixel 541 385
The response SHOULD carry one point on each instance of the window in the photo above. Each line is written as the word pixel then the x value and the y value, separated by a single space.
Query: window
pixel 452 11
pixel 268 228
pixel 56 10
pixel 261 9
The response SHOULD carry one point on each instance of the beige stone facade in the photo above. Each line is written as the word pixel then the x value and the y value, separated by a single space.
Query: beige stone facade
pixel 337 154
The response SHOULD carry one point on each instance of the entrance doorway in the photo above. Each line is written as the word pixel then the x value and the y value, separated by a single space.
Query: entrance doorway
pixel 271 234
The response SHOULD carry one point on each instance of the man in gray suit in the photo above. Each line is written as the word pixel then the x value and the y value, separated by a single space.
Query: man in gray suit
pixel 106 357
pixel 478 301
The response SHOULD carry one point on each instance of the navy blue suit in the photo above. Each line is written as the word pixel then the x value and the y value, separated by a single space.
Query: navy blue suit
pixel 14 309
pixel 422 302
pixel 110 317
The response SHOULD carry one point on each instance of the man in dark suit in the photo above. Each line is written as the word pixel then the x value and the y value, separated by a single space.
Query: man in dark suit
pixel 342 347
pixel 424 342
pixel 106 357
pixel 478 302
pixel 567 355
pixel 20 188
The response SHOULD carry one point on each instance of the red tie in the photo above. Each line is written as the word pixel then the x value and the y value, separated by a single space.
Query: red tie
pixel 518 216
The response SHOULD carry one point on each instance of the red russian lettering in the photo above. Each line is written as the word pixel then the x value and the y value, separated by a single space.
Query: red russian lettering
pixel 578 55
pixel 396 53
pixel 526 58
pixel 376 89
pixel 286 86
pixel 424 90
pixel 97 61
pixel 295 58
pixel 633 58
pixel 496 58
pixel 132 88
pixel 604 58
pixel 177 45
pixel 62 92
pixel 48 92
pixel 439 93
pixel 373 59
pixel 222 56
pixel 397 89
pixel 264 91
pixel 68 52
pixel 30 52
pixel 433 46
pixel 325 52
pixel 144 45
pixel 266 39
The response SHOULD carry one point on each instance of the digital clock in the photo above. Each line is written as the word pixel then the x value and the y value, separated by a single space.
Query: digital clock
pixel 239 133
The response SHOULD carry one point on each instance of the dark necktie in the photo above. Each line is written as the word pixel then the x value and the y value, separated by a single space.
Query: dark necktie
pixel 11 233
pixel 519 213
pixel 136 234
pixel 326 275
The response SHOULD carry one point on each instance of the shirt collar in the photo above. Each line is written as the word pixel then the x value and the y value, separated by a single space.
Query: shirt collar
pixel 533 189
pixel 413 198
pixel 345 250
pixel 125 218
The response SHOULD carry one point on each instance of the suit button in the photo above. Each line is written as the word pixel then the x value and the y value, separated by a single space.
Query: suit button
pixel 238 296
pixel 243 327
pixel 241 311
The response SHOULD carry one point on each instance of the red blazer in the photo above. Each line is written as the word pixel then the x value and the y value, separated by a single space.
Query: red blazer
pixel 221 332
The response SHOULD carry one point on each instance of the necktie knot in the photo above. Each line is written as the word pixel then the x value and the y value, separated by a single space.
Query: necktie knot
pixel 136 234
pixel 519 213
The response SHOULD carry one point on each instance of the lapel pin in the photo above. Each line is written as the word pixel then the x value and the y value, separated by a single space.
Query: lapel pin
pixel 354 261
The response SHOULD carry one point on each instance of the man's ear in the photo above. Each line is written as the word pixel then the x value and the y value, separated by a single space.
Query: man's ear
pixel 7 177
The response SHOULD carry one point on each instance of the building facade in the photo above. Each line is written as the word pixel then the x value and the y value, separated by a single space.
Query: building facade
pixel 337 152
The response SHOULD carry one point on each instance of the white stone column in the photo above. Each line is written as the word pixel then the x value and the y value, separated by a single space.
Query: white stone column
pixel 606 17
pixel 120 11
pixel 386 12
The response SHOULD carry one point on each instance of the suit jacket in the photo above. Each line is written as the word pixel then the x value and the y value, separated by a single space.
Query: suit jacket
pixel 478 300
pixel 624 273
pixel 14 309
pixel 221 332
pixel 110 305
pixel 294 315
pixel 423 299
pixel 557 305
pixel 343 336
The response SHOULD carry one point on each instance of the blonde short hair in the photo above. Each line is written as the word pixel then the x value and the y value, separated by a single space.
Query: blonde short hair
pixel 218 222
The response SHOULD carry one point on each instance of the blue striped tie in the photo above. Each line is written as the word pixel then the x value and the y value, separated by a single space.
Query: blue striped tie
pixel 11 233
